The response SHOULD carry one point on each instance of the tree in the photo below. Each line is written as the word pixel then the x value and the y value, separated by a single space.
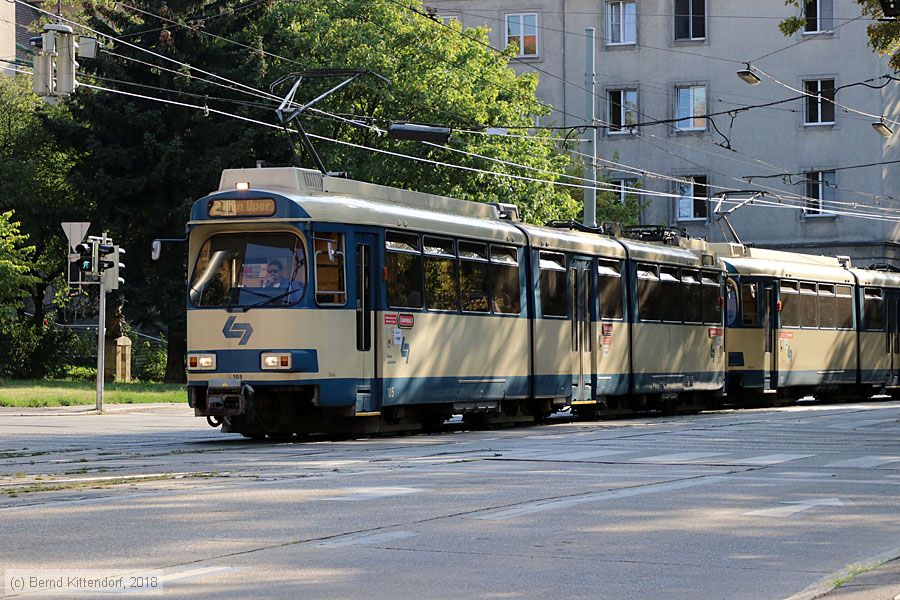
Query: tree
pixel 884 36
pixel 15 264
pixel 145 162
pixel 35 166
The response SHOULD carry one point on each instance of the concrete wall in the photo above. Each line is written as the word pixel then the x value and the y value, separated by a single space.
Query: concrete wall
pixel 763 141
pixel 7 35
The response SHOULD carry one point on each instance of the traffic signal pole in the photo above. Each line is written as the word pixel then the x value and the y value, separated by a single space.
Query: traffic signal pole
pixel 101 342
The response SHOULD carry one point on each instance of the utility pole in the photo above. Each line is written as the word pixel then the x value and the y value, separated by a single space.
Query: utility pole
pixel 101 339
pixel 590 146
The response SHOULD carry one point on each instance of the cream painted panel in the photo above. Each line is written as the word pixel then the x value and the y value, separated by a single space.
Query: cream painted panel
pixel 873 352
pixel 446 345
pixel 610 352
pixel 671 348
pixel 816 350
pixel 553 347
pixel 332 333
pixel 752 343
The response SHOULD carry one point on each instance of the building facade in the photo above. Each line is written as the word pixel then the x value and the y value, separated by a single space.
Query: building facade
pixel 800 135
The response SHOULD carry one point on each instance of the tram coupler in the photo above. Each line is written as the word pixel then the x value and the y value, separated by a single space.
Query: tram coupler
pixel 226 398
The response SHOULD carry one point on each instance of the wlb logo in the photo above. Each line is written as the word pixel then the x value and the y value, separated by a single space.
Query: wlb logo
pixel 233 330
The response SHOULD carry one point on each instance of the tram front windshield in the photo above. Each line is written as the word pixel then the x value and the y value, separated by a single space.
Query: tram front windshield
pixel 249 269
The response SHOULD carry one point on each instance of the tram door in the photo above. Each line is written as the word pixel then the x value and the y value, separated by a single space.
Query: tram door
pixel 368 400
pixel 770 321
pixel 582 344
pixel 892 333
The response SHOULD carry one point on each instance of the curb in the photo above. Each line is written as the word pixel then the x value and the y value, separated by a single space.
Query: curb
pixel 826 584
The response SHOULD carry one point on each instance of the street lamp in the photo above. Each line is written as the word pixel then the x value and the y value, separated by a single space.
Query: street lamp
pixel 882 128
pixel 749 76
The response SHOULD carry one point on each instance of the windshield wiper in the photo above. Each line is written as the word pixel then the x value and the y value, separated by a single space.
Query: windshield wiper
pixel 269 299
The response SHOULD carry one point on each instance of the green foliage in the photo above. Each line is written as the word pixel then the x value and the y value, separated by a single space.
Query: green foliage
pixel 15 263
pixel 34 351
pixel 149 363
pixel 73 373
pixel 884 36
pixel 34 178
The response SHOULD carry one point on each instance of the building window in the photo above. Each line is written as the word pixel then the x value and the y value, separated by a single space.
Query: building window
pixel 521 30
pixel 621 24
pixel 623 188
pixel 690 19
pixel 820 188
pixel 819 101
pixel 690 106
pixel 622 111
pixel 693 199
pixel 819 16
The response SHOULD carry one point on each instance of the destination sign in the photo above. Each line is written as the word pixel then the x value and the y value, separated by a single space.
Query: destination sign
pixel 242 207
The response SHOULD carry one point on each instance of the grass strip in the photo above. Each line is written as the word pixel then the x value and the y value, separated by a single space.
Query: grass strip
pixel 45 393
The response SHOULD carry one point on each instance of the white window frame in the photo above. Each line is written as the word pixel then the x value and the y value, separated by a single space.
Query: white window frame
pixel 819 192
pixel 623 128
pixel 819 17
pixel 686 191
pixel 521 37
pixel 692 108
pixel 625 187
pixel 619 26
pixel 690 17
pixel 819 103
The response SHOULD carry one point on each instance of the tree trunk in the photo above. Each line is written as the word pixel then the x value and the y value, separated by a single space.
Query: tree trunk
pixel 175 372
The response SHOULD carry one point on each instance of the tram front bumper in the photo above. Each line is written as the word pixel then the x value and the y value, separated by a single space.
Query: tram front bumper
pixel 224 398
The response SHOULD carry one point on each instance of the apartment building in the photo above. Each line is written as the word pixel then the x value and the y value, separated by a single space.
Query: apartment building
pixel 802 135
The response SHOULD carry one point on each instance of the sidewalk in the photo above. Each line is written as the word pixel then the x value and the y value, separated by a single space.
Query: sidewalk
pixel 83 409
pixel 881 584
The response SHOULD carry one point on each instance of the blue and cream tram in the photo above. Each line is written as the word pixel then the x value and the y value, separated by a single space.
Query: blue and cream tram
pixel 323 304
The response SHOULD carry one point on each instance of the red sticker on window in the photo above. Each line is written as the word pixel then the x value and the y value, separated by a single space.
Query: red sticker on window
pixel 607 328
pixel 715 332
pixel 786 335
pixel 406 321
pixel 390 318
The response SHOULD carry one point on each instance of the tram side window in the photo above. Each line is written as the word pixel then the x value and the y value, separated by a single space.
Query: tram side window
pixel 826 306
pixel 693 296
pixel 808 317
pixel 473 277
pixel 749 306
pixel 553 284
pixel 648 292
pixel 843 307
pixel 712 298
pixel 331 288
pixel 404 266
pixel 505 279
pixel 610 290
pixel 440 274
pixel 670 295
pixel 790 304
pixel 873 308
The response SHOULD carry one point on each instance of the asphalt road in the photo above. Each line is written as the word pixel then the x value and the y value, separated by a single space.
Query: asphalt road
pixel 753 504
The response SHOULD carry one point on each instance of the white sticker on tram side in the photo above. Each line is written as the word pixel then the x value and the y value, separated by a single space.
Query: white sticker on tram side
pixel 865 462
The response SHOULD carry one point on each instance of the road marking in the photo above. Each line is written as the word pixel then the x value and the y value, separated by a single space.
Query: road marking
pixel 539 506
pixel 370 493
pixel 865 461
pixel 770 459
pixel 560 454
pixel 794 507
pixel 678 457
pixel 194 573
pixel 863 423
pixel 365 539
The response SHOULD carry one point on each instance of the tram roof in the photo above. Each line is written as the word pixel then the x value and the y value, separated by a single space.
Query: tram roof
pixel 787 265
pixel 879 278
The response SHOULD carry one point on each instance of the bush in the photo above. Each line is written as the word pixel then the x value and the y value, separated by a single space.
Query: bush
pixel 29 352
pixel 149 363
pixel 73 373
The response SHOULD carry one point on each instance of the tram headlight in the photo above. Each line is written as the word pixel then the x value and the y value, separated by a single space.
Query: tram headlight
pixel 275 361
pixel 201 362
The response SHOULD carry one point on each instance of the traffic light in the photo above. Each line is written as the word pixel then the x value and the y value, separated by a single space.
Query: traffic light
pixel 891 8
pixel 87 257
pixel 112 278
pixel 105 255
